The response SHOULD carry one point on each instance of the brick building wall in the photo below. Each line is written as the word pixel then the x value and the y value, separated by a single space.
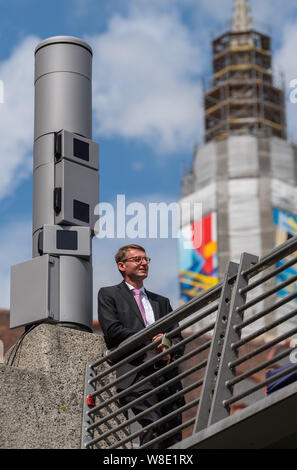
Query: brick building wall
pixel 8 337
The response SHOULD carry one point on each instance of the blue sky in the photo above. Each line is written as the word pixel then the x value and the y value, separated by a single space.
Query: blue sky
pixel 149 58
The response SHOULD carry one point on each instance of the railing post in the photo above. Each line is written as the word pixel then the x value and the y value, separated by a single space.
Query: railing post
pixel 86 435
pixel 221 393
pixel 215 353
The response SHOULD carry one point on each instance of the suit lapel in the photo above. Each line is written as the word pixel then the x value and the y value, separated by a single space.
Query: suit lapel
pixel 126 292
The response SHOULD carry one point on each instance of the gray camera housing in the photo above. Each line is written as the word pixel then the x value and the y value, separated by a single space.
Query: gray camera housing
pixel 51 289
pixel 77 149
pixel 76 194
pixel 65 240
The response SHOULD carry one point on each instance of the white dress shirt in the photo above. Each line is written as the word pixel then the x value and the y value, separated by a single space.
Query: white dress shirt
pixel 149 313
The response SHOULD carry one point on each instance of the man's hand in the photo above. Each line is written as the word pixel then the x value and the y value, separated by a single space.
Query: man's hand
pixel 160 348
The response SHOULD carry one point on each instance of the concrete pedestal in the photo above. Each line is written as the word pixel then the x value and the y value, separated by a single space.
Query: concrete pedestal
pixel 42 392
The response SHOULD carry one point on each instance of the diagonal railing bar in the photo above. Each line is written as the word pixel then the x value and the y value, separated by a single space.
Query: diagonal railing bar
pixel 109 410
pixel 146 348
pixel 263 330
pixel 254 370
pixel 270 275
pixel 164 402
pixel 161 325
pixel 148 394
pixel 216 372
pixel 88 419
pixel 221 393
pixel 174 431
pixel 156 374
pixel 160 421
pixel 215 353
pixel 224 396
pixel 208 306
pixel 275 255
pixel 153 360
pixel 266 311
pixel 260 349
pixel 275 377
pixel 266 294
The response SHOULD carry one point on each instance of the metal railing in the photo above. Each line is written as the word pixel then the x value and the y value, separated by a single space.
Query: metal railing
pixel 220 347
pixel 106 424
pixel 253 353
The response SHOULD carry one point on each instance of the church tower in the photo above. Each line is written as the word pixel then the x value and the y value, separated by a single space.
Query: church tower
pixel 245 174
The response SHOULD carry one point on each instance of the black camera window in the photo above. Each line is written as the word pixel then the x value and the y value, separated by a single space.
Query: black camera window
pixel 81 211
pixel 81 149
pixel 66 240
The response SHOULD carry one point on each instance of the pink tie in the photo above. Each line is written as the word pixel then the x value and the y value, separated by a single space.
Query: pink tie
pixel 137 293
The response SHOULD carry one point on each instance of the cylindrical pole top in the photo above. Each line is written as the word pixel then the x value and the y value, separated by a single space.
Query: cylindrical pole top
pixel 63 86
pixel 63 40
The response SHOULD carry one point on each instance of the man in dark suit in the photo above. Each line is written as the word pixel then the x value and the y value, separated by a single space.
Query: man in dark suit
pixel 124 310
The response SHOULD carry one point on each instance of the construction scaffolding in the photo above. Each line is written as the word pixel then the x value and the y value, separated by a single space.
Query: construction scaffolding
pixel 243 98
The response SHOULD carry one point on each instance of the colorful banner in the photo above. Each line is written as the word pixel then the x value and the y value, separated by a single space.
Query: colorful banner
pixel 286 227
pixel 198 265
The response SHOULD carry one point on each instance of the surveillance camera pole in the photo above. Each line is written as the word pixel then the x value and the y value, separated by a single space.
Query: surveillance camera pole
pixel 65 193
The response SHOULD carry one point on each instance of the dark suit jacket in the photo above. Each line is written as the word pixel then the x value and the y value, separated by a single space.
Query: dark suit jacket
pixel 120 317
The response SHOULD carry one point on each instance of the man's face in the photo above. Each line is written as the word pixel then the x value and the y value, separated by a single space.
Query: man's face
pixel 132 270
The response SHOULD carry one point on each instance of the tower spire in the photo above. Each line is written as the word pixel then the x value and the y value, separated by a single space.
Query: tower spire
pixel 241 19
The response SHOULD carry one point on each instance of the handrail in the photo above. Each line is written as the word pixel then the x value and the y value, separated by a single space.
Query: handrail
pixel 219 337
pixel 195 322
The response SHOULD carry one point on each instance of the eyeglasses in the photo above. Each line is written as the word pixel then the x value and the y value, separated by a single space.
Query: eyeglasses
pixel 138 259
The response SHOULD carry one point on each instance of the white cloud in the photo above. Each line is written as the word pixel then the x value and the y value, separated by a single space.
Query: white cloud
pixel 146 77
pixel 285 61
pixel 17 116
pixel 219 9
pixel 145 83
pixel 147 63
pixel 285 56
pixel 274 14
